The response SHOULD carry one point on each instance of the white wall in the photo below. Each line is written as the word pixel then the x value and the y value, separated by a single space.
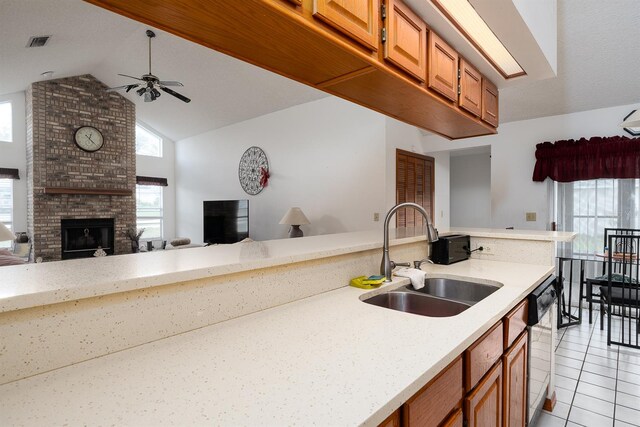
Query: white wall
pixel 162 167
pixel 470 178
pixel 513 158
pixel 14 155
pixel 326 157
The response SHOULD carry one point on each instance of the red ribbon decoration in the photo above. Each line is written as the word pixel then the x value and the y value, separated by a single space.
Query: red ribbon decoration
pixel 264 177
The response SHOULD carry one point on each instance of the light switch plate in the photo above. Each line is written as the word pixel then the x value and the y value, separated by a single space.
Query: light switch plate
pixel 376 216
pixel 531 216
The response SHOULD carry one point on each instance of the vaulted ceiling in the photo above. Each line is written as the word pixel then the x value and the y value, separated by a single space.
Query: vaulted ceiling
pixel 597 64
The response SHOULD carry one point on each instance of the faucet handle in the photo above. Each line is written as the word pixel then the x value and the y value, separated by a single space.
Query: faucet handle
pixel 400 264
pixel 417 264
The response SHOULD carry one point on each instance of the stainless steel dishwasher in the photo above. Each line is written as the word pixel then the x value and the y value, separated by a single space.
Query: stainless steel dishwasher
pixel 541 360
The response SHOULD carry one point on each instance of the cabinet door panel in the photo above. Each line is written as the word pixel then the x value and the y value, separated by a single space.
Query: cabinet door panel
pixel 489 103
pixel 470 88
pixel 515 383
pixel 392 421
pixel 483 407
pixel 455 420
pixel 482 354
pixel 406 44
pixel 443 67
pixel 356 18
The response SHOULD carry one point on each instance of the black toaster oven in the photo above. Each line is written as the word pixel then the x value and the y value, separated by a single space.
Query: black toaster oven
pixel 449 249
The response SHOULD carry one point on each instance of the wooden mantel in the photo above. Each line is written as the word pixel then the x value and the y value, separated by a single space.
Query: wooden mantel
pixel 88 191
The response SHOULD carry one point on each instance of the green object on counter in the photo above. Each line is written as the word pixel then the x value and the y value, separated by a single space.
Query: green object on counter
pixel 364 282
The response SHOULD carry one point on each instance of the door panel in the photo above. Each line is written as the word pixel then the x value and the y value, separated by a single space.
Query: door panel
pixel 414 183
pixel 356 18
pixel 489 103
pixel 443 67
pixel 406 44
pixel 470 88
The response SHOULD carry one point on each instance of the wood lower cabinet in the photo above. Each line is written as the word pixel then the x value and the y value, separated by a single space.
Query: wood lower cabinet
pixel 483 406
pixel 356 18
pixel 489 103
pixel 443 67
pixel 514 364
pixel 515 322
pixel 455 420
pixel 482 355
pixel 406 44
pixel 392 421
pixel 470 88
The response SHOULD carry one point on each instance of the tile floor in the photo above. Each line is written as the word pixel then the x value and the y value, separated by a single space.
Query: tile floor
pixel 596 385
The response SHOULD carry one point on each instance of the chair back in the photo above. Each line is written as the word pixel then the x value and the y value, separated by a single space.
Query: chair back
pixel 616 242
pixel 623 287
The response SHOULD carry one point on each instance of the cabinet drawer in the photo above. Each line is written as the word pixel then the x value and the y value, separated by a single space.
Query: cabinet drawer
pixel 482 354
pixel 514 323
pixel 436 400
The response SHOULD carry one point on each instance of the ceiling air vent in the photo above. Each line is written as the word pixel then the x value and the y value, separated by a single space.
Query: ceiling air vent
pixel 38 41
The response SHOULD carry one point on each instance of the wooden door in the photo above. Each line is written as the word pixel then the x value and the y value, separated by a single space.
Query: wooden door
pixel 470 88
pixel 414 183
pixel 443 67
pixel 483 406
pixel 514 364
pixel 356 18
pixel 406 44
pixel 489 103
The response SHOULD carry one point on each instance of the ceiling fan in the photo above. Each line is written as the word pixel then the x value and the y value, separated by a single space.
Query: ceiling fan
pixel 150 84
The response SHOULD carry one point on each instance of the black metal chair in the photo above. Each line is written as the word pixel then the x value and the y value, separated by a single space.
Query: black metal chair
pixel 621 295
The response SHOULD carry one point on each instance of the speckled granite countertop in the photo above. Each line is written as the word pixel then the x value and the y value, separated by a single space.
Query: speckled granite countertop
pixel 325 360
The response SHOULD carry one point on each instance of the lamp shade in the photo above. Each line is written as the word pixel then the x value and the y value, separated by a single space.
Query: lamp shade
pixel 294 216
pixel 5 233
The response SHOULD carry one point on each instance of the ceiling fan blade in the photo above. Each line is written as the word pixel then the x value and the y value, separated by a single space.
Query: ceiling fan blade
pixel 129 87
pixel 112 89
pixel 170 83
pixel 131 77
pixel 176 94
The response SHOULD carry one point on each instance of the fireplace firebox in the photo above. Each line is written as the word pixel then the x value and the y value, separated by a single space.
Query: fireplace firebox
pixel 82 237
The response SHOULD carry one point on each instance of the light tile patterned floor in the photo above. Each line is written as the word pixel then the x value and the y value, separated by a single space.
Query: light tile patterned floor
pixel 596 385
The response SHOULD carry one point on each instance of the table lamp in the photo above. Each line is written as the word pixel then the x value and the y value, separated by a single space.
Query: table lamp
pixel 295 218
pixel 6 234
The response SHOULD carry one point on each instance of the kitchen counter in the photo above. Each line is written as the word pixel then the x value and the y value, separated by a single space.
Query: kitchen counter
pixel 325 360
pixel 502 233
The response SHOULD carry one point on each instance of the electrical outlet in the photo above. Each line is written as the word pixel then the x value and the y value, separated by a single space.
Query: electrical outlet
pixel 487 249
pixel 531 216
pixel 376 217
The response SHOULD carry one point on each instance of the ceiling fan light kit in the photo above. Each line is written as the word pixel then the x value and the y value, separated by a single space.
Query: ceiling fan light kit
pixel 148 88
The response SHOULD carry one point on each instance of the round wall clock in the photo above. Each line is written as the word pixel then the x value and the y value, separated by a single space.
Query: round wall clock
pixel 253 165
pixel 89 139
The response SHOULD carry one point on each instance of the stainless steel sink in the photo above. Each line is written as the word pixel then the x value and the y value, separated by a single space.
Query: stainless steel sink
pixel 456 290
pixel 415 303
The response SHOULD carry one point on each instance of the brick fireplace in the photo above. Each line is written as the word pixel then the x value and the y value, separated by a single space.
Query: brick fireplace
pixel 66 183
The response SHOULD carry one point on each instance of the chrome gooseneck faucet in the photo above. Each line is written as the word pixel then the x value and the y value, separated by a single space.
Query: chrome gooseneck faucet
pixel 387 265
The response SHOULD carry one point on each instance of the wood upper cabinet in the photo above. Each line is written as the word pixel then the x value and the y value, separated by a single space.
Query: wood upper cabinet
pixel 489 103
pixel 443 67
pixel 406 44
pixel 514 364
pixel 483 406
pixel 356 18
pixel 470 88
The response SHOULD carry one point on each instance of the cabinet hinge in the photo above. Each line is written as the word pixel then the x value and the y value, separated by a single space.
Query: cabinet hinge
pixel 383 11
pixel 384 35
pixel 459 90
pixel 459 75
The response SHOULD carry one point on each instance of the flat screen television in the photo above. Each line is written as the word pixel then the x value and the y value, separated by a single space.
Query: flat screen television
pixel 226 221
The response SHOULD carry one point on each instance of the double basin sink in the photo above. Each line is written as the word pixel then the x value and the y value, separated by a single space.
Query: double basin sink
pixel 439 297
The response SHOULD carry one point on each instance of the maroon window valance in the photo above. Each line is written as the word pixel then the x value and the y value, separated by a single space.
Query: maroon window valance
pixel 150 180
pixel 597 157
pixel 6 173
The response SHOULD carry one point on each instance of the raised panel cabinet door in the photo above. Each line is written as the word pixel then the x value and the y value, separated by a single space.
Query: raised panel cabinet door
pixel 455 420
pixel 489 103
pixel 356 18
pixel 406 44
pixel 483 407
pixel 515 383
pixel 443 67
pixel 392 420
pixel 470 88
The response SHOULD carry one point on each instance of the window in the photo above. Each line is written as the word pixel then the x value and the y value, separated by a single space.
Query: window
pixel 6 207
pixel 588 207
pixel 147 142
pixel 6 123
pixel 149 211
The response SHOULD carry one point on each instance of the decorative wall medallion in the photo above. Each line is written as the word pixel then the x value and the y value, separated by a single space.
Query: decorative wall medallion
pixel 253 167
